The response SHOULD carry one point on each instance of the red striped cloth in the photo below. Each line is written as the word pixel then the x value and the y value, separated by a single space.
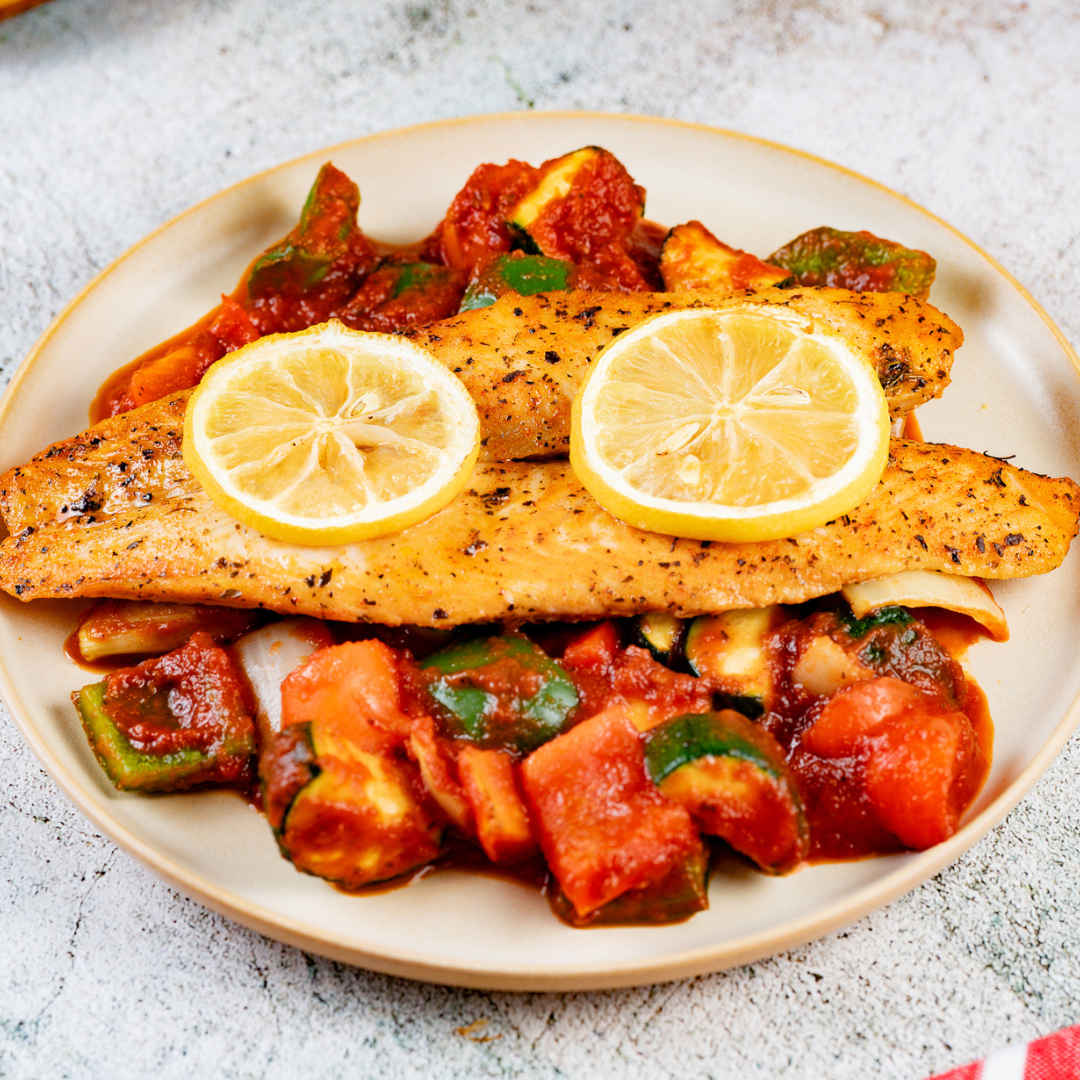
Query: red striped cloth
pixel 1057 1057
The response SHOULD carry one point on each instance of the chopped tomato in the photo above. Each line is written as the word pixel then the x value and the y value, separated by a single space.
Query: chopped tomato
pixel 603 825
pixel 914 773
pixel 474 230
pixel 607 675
pixel 919 755
pixel 595 649
pixel 233 326
pixel 348 687
pixel 855 712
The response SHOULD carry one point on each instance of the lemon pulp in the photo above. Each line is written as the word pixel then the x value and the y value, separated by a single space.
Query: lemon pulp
pixel 730 424
pixel 330 435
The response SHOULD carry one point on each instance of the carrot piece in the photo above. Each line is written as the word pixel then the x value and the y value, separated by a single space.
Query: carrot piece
pixel 502 820
pixel 602 824
pixel 595 649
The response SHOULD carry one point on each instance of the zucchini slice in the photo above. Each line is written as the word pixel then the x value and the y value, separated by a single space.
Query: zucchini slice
pixel 858 261
pixel 555 184
pixel 661 634
pixel 682 892
pixel 144 628
pixel 729 650
pixel 692 258
pixel 345 809
pixel 732 778
pixel 171 723
pixel 583 202
pixel 501 693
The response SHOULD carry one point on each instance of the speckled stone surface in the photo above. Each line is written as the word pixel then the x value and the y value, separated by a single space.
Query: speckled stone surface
pixel 116 116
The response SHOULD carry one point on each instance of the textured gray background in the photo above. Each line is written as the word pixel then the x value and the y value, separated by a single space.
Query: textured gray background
pixel 117 114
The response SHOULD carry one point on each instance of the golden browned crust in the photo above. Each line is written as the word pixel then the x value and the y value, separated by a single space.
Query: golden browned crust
pixel 521 360
pixel 525 541
pixel 120 464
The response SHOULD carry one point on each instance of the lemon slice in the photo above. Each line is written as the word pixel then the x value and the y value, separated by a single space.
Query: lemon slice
pixel 330 435
pixel 732 423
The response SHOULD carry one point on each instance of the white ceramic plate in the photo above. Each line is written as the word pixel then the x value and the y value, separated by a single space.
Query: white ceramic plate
pixel 1016 390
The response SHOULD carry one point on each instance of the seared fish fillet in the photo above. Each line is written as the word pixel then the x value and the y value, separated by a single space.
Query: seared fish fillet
pixel 526 541
pixel 521 359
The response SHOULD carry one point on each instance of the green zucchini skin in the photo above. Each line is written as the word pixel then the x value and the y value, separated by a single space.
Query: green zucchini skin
pixel 525 275
pixel 732 777
pixel 130 769
pixel 219 751
pixel 316 791
pixel 501 693
pixel 730 650
pixel 554 185
pixel 858 261
pixel 662 634
pixel 685 739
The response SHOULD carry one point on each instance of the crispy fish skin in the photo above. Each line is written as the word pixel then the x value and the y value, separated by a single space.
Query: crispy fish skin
pixel 521 359
pixel 526 541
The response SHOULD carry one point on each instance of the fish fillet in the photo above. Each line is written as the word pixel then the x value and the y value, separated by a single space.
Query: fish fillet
pixel 521 360
pixel 526 541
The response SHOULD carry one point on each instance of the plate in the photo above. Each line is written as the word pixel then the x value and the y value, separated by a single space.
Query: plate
pixel 1016 390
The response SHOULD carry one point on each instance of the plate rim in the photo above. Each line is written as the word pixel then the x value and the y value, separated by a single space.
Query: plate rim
pixel 915 869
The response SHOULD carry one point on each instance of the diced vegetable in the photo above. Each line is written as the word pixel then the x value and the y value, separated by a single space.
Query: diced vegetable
pixel 409 294
pixel 826 667
pixel 355 818
pixel 916 774
pixel 268 655
pixel 475 228
pixel 172 723
pixel 693 258
pixel 595 649
pixel 661 634
pixel 682 892
pixel 892 642
pixel 849 717
pixel 346 806
pixel 525 275
pixel 583 208
pixel 929 588
pixel 305 256
pixel 729 650
pixel 139 628
pixel 858 261
pixel 732 778
pixel 437 770
pixel 502 819
pixel 603 826
pixel 499 693
pixel 921 758
pixel 557 180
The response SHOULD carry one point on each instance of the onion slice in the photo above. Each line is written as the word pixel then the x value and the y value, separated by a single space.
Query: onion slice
pixel 930 588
